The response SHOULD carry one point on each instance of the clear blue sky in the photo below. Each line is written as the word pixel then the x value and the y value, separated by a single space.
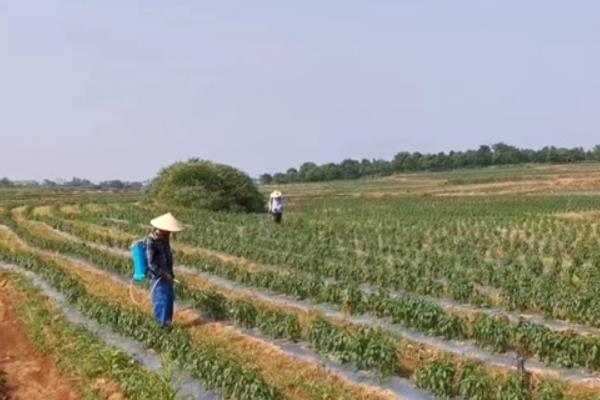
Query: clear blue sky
pixel 118 89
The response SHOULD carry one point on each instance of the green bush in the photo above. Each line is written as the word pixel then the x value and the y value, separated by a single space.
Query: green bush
pixel 206 185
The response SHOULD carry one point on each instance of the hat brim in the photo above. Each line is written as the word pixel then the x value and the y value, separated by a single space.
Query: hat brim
pixel 167 223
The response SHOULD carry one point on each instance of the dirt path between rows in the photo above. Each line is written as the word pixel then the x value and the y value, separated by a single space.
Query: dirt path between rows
pixel 29 374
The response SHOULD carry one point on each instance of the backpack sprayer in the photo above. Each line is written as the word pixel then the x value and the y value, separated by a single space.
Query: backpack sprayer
pixel 140 268
pixel 165 222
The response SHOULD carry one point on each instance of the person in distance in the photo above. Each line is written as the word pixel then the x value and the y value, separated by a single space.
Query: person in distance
pixel 276 206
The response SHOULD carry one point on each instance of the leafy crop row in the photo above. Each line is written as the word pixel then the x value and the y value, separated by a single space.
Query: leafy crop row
pixel 565 348
pixel 209 365
pixel 357 347
pixel 450 248
pixel 499 336
pixel 78 351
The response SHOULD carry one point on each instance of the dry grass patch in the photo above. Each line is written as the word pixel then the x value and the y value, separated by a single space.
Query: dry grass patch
pixel 70 209
pixel 42 211
pixel 593 216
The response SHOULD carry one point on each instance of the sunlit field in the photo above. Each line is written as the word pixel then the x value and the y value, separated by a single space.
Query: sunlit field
pixel 479 284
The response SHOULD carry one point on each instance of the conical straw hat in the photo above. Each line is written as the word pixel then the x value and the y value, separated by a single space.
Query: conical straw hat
pixel 167 222
pixel 276 194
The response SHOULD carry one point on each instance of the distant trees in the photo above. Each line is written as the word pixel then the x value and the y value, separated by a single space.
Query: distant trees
pixel 265 179
pixel 596 153
pixel 309 172
pixel 5 182
pixel 82 183
pixel 116 184
pixel 292 174
pixel 75 182
pixel 485 156
pixel 79 182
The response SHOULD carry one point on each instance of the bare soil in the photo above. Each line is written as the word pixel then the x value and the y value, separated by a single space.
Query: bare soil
pixel 29 374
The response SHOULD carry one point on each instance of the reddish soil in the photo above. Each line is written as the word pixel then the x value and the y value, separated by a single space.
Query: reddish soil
pixel 29 374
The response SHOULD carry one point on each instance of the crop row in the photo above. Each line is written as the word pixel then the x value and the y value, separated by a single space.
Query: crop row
pixel 79 352
pixel 209 365
pixel 364 347
pixel 443 261
pixel 481 386
pixel 566 348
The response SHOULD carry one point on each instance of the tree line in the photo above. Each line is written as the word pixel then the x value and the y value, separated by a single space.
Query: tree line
pixel 485 156
pixel 75 182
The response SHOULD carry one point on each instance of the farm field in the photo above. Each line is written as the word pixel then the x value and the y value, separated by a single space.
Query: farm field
pixel 481 284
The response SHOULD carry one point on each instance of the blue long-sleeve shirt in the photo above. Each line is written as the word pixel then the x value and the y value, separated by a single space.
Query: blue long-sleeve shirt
pixel 160 258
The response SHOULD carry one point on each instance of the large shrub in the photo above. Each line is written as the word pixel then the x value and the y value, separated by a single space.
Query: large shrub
pixel 203 184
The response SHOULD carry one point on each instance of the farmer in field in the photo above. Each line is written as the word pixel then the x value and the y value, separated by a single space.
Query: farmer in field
pixel 160 263
pixel 276 206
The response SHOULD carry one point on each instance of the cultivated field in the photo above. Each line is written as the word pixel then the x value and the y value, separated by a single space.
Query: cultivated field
pixel 474 284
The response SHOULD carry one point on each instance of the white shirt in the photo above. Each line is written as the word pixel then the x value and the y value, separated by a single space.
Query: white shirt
pixel 276 205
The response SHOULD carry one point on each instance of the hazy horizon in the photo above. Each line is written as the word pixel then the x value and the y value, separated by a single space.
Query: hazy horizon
pixel 118 90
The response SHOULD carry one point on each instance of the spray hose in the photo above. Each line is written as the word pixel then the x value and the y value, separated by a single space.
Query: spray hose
pixel 131 284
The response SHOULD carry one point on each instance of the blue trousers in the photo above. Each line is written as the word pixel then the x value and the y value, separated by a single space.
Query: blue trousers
pixel 162 299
